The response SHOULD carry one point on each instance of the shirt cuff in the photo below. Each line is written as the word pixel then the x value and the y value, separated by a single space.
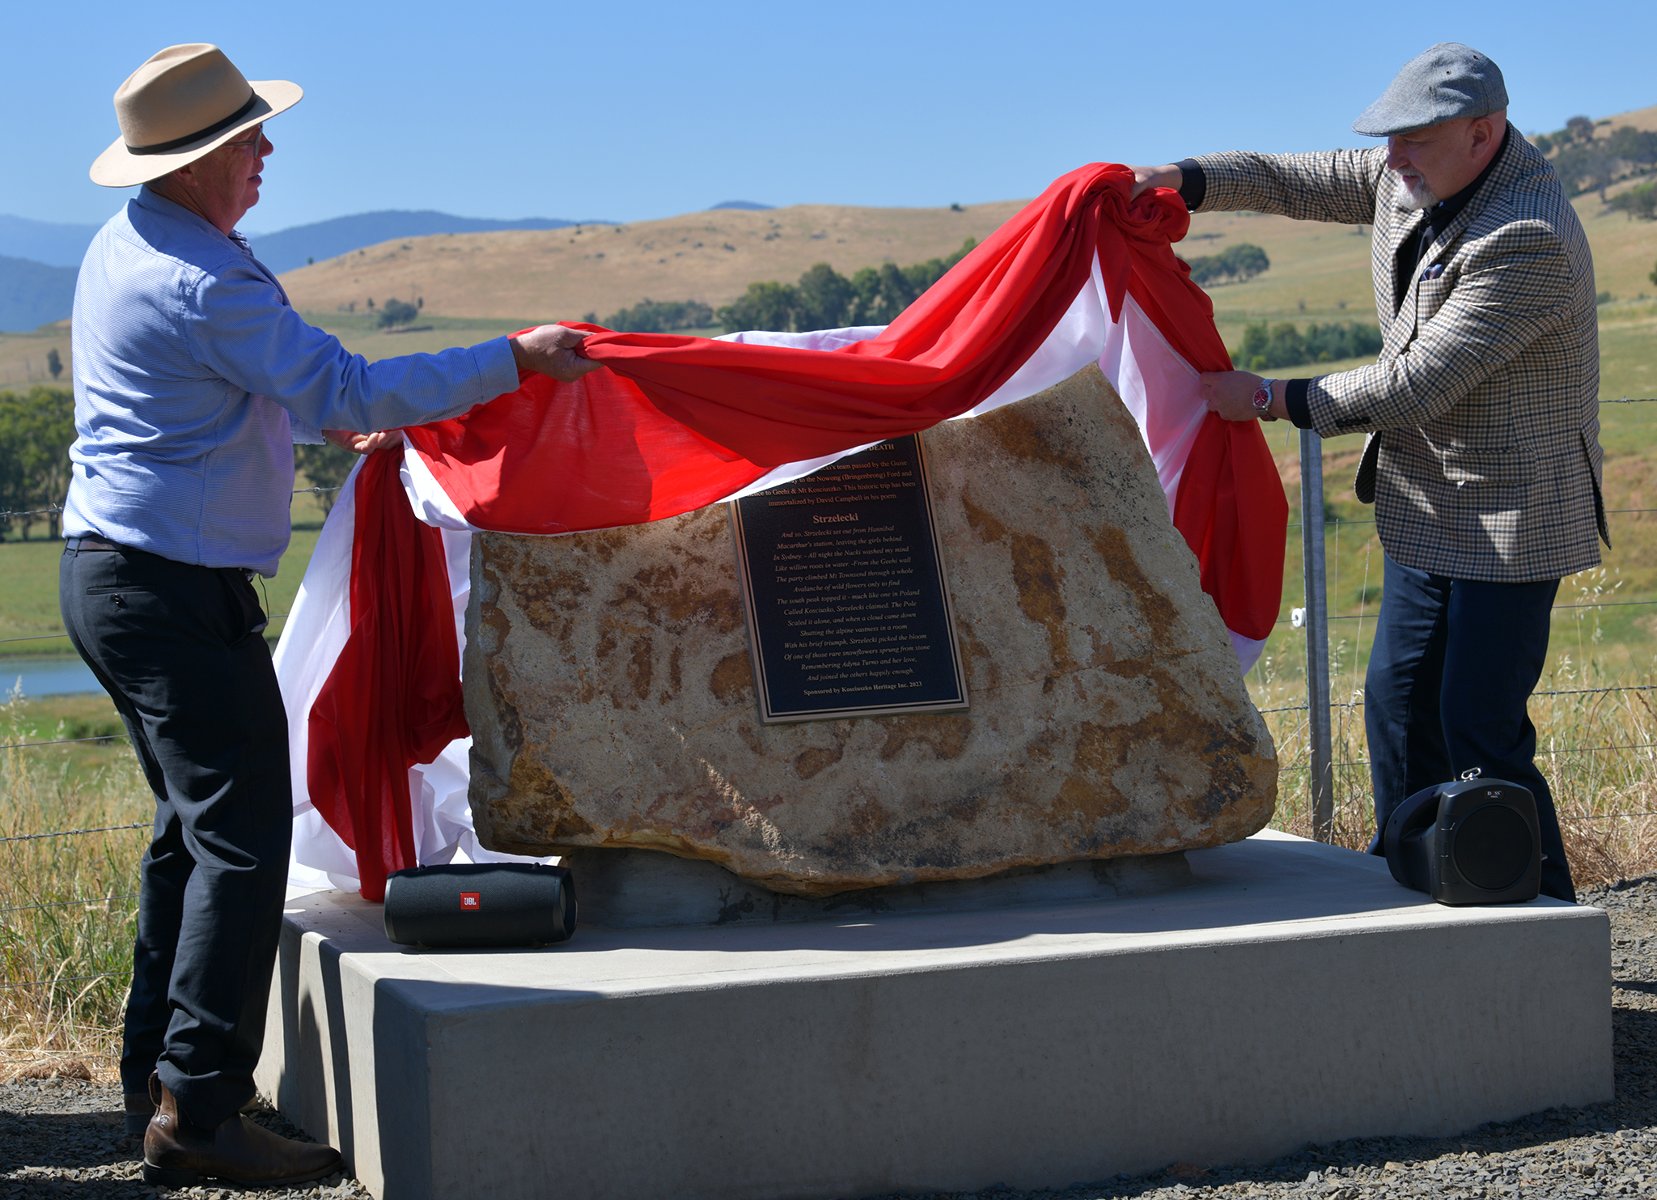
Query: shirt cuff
pixel 1294 399
pixel 1193 184
pixel 303 432
pixel 497 369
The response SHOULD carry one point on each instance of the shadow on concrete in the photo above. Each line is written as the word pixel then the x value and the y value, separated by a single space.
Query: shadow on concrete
pixel 1264 881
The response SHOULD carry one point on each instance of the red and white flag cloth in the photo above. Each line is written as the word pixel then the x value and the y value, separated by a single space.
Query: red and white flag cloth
pixel 370 658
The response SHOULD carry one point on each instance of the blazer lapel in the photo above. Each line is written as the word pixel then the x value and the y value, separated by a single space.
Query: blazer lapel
pixel 1405 226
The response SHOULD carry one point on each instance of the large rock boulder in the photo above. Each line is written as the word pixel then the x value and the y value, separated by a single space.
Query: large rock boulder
pixel 611 695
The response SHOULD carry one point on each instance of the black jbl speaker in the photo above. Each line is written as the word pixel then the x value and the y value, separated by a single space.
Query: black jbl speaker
pixel 1474 841
pixel 480 904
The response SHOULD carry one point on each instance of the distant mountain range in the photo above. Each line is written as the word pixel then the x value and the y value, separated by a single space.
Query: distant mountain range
pixel 38 259
pixel 33 293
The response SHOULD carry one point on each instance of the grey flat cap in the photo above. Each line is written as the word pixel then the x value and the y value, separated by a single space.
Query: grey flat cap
pixel 1443 83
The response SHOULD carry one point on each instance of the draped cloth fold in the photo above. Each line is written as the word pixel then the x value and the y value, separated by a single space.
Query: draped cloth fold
pixel 1082 274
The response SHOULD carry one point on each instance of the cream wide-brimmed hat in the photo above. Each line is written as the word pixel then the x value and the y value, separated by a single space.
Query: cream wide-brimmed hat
pixel 184 102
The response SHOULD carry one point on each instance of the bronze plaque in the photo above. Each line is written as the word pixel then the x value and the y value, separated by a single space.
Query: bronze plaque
pixel 843 582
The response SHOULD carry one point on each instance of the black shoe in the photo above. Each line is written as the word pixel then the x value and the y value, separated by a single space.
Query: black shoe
pixel 236 1151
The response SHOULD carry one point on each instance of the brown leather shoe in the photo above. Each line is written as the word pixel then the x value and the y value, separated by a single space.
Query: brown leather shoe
pixel 236 1151
pixel 139 1108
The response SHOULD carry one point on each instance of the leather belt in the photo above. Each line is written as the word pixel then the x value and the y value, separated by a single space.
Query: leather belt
pixel 88 542
pixel 93 542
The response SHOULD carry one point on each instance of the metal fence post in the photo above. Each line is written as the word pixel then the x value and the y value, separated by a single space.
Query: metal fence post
pixel 1316 624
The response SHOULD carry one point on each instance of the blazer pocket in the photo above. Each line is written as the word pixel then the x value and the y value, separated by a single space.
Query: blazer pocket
pixel 1430 295
pixel 1492 468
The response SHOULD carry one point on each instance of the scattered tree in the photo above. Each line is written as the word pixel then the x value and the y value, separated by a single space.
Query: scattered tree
pixel 1638 202
pixel 395 312
pixel 36 430
pixel 1588 167
pixel 1235 264
pixel 54 363
pixel 324 466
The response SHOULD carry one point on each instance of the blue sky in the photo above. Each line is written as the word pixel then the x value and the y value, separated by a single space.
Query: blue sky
pixel 634 111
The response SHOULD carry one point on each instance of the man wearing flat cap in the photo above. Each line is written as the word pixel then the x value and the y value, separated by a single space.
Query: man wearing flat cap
pixel 193 378
pixel 1482 412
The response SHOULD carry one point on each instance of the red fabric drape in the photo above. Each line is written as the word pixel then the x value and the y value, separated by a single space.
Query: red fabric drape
pixel 393 697
pixel 680 422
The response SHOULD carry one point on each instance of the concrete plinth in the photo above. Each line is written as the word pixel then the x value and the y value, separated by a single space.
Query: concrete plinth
pixel 1290 993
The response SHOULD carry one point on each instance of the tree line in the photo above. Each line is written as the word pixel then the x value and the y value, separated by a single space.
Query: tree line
pixel 821 298
pixel 825 299
pixel 36 429
pixel 1266 347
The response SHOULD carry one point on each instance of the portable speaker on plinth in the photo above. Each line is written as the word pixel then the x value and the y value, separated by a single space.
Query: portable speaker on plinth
pixel 1474 841
pixel 480 904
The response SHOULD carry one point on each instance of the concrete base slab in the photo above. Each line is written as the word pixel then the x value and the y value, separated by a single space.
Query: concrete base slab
pixel 1291 993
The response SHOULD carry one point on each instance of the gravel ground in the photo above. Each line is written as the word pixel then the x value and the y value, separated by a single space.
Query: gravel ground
pixel 62 1138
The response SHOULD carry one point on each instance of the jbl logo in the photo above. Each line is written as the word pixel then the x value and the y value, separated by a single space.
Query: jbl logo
pixel 471 901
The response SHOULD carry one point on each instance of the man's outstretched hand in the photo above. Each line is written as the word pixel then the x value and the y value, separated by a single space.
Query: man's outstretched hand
pixel 553 350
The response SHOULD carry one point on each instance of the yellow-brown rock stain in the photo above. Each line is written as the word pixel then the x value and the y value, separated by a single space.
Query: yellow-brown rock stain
pixel 640 667
pixel 1025 437
pixel 983 522
pixel 945 735
pixel 1040 582
pixel 1115 551
pixel 673 604
pixel 814 760
pixel 732 679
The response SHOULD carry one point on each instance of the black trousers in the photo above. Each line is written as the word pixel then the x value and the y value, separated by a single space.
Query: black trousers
pixel 1449 684
pixel 180 650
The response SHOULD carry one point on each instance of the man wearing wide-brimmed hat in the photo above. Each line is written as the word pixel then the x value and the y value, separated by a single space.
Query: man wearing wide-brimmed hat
pixel 193 378
pixel 1483 458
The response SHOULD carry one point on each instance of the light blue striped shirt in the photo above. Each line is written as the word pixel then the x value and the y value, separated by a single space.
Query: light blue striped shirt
pixel 193 375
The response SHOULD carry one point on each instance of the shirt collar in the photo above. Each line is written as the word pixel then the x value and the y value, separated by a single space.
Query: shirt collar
pixel 157 203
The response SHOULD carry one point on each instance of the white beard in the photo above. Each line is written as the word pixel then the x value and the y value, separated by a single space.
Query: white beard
pixel 1416 198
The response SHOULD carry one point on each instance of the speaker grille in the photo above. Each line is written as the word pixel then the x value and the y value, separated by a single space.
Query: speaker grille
pixel 1492 847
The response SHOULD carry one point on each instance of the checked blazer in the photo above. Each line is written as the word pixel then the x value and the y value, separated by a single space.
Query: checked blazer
pixel 1483 458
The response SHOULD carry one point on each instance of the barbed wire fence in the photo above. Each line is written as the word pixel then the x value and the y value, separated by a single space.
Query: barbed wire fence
pixel 1305 723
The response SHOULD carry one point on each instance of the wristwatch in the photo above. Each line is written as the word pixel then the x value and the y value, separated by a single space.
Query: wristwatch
pixel 1262 400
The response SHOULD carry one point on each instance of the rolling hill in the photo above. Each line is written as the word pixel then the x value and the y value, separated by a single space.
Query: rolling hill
pixel 562 274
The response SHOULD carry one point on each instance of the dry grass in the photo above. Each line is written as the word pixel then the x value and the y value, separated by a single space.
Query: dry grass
pixel 557 274
pixel 67 904
pixel 1595 745
pixel 23 357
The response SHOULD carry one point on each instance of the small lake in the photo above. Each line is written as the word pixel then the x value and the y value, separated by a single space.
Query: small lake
pixel 60 675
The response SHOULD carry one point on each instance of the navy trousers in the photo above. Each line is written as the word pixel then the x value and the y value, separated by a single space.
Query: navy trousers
pixel 180 650
pixel 1449 683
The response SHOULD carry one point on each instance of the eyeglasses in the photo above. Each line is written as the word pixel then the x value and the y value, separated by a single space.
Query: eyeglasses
pixel 251 143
